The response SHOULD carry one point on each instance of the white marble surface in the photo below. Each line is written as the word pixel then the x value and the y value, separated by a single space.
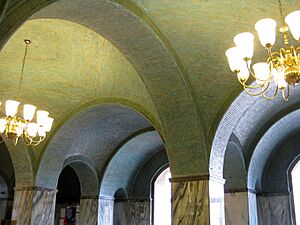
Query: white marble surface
pixel 236 208
pixel 88 211
pixel 105 211
pixel 190 203
pixel 273 210
pixel 34 206
pixel 216 196
pixel 252 207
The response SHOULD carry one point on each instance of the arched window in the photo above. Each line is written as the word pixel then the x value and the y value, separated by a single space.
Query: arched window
pixel 162 199
pixel 295 174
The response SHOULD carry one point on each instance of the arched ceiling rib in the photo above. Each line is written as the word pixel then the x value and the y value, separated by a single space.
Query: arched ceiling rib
pixel 249 118
pixel 123 167
pixel 267 146
pixel 94 133
pixel 157 68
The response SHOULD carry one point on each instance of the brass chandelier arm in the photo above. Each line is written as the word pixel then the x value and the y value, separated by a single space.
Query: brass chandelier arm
pixel 251 86
pixel 273 96
pixel 31 142
pixel 286 97
pixel 259 93
pixel 253 74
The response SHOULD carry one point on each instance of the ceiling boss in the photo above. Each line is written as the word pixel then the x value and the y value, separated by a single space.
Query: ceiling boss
pixel 14 127
pixel 282 68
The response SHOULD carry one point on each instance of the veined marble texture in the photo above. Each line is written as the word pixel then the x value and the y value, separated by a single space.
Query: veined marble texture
pixel 190 203
pixel 105 211
pixel 252 206
pixel 88 211
pixel 236 208
pixel 274 210
pixel 139 212
pixel 34 206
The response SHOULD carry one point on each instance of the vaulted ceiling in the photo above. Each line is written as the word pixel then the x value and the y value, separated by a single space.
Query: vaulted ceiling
pixel 165 58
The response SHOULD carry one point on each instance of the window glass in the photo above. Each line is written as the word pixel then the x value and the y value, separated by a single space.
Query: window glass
pixel 162 199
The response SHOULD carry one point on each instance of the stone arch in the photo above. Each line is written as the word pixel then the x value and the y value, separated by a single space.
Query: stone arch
pixel 96 133
pixel 87 174
pixel 128 161
pixel 155 64
pixel 235 172
pixel 268 146
pixel 245 115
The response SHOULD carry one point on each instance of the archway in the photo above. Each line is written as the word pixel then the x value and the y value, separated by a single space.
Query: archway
pixel 162 198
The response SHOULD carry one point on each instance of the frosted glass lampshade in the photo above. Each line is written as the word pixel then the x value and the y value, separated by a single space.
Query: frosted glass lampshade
pixel 48 124
pixel 28 112
pixel 11 107
pixel 2 125
pixel 32 129
pixel 279 79
pixel 266 29
pixel 244 42
pixel 243 75
pixel 41 132
pixel 235 60
pixel 262 72
pixel 293 20
pixel 42 116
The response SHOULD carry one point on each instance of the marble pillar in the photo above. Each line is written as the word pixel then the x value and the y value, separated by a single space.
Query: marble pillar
pixel 236 208
pixel 190 202
pixel 274 209
pixel 252 208
pixel 88 210
pixel 34 206
pixel 105 210
pixel 138 212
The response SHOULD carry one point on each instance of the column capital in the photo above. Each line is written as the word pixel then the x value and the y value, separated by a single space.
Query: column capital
pixel 197 178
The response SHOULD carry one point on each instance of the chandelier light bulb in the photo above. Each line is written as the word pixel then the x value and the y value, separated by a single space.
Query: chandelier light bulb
pixel 48 125
pixel 11 107
pixel 41 131
pixel 235 60
pixel 42 116
pixel 266 29
pixel 245 44
pixel 293 21
pixel 28 112
pixel 262 72
pixel 243 74
pixel 32 129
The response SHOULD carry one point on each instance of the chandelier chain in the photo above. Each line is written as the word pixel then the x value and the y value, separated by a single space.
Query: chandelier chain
pixel 281 12
pixel 23 63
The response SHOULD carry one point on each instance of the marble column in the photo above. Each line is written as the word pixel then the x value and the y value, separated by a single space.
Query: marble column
pixel 34 206
pixel 198 201
pixel 236 207
pixel 105 210
pixel 274 209
pixel 190 202
pixel 88 210
pixel 138 211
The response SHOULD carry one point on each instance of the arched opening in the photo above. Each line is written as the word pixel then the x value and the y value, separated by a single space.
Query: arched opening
pixel 67 198
pixel 7 184
pixel 295 174
pixel 120 202
pixel 162 198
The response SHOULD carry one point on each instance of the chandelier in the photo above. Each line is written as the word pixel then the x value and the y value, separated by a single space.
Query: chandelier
pixel 12 126
pixel 280 70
